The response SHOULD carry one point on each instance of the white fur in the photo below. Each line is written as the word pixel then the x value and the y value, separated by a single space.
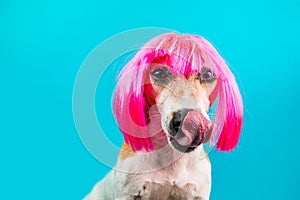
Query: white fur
pixel 188 176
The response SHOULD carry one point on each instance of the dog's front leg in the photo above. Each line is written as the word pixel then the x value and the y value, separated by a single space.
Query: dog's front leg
pixel 139 193
pixel 197 193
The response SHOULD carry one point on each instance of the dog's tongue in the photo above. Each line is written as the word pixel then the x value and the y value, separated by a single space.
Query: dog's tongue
pixel 195 123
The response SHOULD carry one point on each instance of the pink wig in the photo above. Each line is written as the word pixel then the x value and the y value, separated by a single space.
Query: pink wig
pixel 184 54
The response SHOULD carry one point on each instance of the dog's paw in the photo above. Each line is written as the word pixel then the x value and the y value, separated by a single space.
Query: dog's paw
pixel 199 198
pixel 193 191
pixel 146 188
pixel 142 193
pixel 138 197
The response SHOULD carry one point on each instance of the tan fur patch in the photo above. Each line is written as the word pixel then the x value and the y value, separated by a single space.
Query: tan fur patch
pixel 207 157
pixel 126 151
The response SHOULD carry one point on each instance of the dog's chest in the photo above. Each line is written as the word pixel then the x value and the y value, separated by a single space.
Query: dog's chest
pixel 176 184
pixel 167 191
pixel 177 181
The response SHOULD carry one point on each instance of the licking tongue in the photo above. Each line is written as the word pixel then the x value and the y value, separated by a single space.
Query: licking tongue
pixel 194 125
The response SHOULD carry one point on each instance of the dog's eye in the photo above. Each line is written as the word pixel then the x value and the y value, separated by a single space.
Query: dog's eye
pixel 206 76
pixel 161 75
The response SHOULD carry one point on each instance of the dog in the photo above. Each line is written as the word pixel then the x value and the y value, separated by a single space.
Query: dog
pixel 161 104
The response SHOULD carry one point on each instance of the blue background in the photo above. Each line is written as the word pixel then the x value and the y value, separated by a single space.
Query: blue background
pixel 42 45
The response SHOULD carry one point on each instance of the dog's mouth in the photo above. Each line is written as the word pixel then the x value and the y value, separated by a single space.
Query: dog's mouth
pixel 188 129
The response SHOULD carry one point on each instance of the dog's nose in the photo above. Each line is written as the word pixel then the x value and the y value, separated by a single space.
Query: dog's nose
pixel 177 120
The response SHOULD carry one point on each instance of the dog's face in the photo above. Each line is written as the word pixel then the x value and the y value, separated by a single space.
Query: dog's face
pixel 163 73
pixel 183 103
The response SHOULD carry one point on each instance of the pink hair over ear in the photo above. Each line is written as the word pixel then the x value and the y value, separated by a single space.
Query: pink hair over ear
pixel 184 54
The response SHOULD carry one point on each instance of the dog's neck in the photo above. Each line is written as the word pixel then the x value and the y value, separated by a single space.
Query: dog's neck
pixel 165 157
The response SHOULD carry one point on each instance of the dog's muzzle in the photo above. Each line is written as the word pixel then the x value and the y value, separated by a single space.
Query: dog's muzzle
pixel 188 129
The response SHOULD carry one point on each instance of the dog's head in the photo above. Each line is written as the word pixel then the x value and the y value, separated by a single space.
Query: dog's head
pixel 164 93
